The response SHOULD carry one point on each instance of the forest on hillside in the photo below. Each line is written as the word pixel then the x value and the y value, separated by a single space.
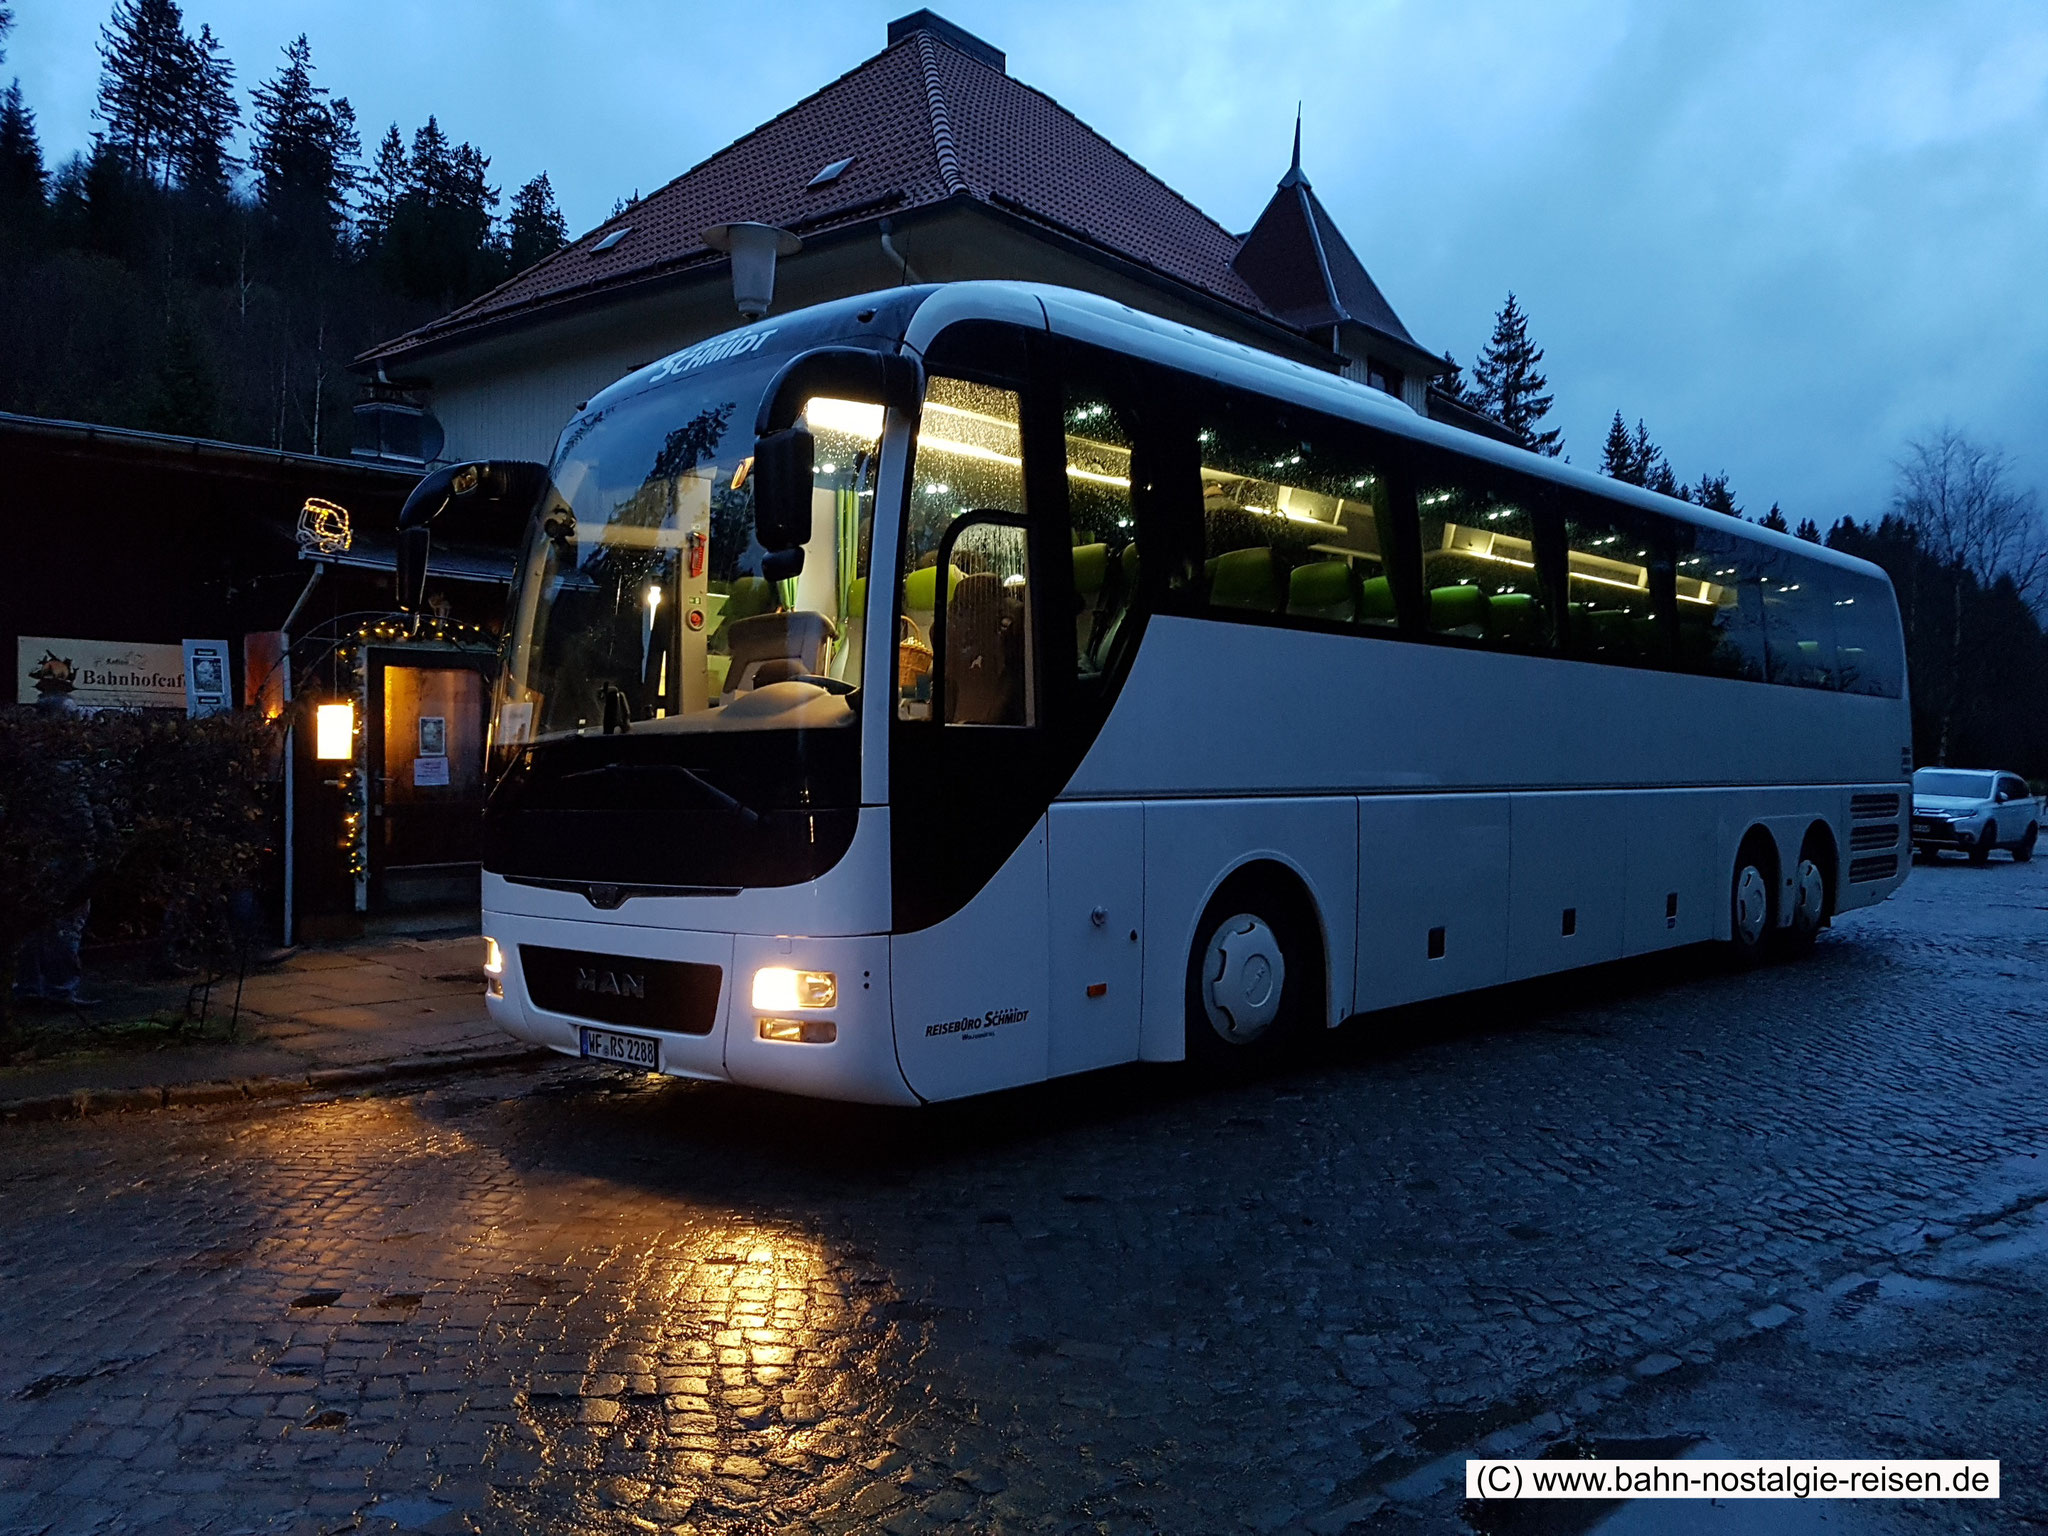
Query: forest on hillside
pixel 215 259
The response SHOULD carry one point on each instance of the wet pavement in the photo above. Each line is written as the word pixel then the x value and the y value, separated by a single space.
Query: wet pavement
pixel 1792 1212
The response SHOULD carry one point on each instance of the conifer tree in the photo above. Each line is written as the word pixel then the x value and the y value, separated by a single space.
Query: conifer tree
pixel 1771 519
pixel 209 116
pixel 384 187
pixel 1713 494
pixel 145 68
pixel 21 158
pixel 535 228
pixel 1510 385
pixel 304 156
pixel 1809 530
pixel 1451 382
pixel 1661 480
pixel 6 26
pixel 1618 456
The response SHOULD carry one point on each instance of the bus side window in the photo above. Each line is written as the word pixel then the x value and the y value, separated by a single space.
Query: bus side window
pixel 1104 523
pixel 969 461
pixel 1294 518
pixel 1867 656
pixel 1799 621
pixel 1480 567
pixel 1620 601
pixel 1720 606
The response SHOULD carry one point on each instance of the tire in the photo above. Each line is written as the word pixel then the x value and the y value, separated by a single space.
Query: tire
pixel 2023 850
pixel 1813 895
pixel 1254 976
pixel 1980 853
pixel 1752 908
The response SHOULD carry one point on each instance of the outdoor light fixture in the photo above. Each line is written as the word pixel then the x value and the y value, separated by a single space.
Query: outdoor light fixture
pixel 753 248
pixel 777 986
pixel 334 732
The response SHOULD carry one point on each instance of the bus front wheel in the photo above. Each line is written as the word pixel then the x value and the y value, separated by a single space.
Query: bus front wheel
pixel 1250 978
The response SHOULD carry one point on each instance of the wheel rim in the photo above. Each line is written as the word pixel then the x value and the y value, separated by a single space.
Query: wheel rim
pixel 1752 904
pixel 1812 895
pixel 1244 974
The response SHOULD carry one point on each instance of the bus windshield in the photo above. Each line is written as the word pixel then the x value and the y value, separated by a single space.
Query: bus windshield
pixel 641 604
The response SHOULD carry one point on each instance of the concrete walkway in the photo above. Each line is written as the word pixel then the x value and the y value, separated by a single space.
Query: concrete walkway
pixel 349 1012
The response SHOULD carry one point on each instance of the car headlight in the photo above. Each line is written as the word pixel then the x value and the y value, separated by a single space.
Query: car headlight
pixel 777 987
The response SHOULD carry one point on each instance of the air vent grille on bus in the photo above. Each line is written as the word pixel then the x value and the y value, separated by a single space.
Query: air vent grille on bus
pixel 1878 866
pixel 1883 834
pixel 1866 807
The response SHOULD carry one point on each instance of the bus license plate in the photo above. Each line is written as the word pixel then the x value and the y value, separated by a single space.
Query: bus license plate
pixel 626 1050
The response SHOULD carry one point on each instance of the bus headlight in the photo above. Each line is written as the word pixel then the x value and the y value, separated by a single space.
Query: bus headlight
pixel 494 958
pixel 777 986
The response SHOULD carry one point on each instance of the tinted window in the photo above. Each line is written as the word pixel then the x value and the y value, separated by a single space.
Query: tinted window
pixel 1294 519
pixel 1720 604
pixel 1481 573
pixel 1799 620
pixel 1619 575
pixel 1098 440
pixel 1867 653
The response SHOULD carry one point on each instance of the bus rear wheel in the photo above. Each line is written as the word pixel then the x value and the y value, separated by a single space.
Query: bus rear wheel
pixel 1250 978
pixel 1812 898
pixel 1752 908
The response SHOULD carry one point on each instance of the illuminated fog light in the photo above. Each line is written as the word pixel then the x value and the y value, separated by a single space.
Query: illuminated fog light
pixel 494 958
pixel 778 987
pixel 799 1031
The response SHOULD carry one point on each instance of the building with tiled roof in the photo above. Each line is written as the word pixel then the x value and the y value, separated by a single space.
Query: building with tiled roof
pixel 928 162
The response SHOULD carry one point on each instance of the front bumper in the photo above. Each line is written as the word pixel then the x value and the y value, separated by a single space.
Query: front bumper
pixel 1938 832
pixel 860 1065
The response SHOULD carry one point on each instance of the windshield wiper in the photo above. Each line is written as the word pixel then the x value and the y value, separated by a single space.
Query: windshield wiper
pixel 725 801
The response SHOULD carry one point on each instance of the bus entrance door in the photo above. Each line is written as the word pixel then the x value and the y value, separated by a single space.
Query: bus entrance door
pixel 1095 878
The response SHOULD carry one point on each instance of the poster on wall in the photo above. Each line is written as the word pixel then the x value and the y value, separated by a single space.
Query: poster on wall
pixel 209 683
pixel 99 674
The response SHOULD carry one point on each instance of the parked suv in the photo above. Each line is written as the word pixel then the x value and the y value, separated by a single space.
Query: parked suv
pixel 1974 810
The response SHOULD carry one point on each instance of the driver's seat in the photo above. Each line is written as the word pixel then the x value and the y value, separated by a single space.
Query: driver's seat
pixel 775 647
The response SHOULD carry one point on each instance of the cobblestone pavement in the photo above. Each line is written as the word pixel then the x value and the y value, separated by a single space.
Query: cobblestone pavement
pixel 574 1301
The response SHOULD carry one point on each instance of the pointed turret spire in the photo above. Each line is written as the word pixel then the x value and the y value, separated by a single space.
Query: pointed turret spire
pixel 1294 177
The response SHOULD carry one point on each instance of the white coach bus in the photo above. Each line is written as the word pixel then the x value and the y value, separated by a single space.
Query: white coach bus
pixel 959 687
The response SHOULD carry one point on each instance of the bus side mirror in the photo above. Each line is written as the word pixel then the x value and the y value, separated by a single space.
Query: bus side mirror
pixel 782 477
pixel 412 568
pixel 495 484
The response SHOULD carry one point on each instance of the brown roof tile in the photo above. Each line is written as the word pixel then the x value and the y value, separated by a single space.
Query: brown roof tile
pixel 924 122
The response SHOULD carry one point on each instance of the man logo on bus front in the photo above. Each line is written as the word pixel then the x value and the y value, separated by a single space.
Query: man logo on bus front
pixel 611 983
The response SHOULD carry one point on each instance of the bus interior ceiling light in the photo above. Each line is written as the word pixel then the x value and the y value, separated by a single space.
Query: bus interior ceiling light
pixel 754 249
pixel 334 732
pixel 777 986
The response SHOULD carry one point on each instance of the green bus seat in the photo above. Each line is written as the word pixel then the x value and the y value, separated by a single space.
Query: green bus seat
pixel 1457 608
pixel 1514 618
pixel 1245 578
pixel 1322 591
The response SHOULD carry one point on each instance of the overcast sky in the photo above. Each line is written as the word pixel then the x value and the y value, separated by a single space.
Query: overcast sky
pixel 1790 237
